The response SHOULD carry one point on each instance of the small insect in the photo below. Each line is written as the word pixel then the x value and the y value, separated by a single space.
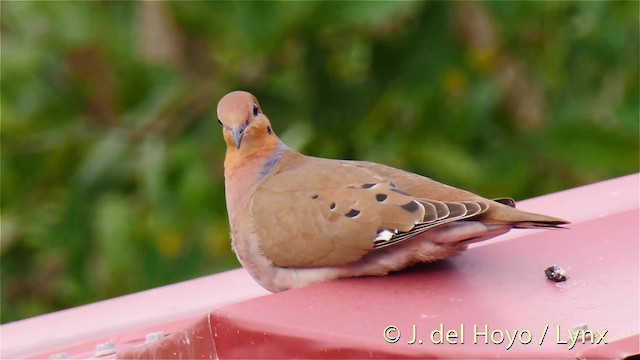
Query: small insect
pixel 555 273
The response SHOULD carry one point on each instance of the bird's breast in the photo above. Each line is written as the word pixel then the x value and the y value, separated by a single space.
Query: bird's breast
pixel 241 181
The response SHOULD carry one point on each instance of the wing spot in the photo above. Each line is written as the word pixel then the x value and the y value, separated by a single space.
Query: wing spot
pixel 381 197
pixel 399 191
pixel 352 213
pixel 411 206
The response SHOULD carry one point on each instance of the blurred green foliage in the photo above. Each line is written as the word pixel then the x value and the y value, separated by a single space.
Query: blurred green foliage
pixel 112 159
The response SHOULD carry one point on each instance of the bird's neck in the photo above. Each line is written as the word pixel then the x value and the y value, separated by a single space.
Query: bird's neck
pixel 244 169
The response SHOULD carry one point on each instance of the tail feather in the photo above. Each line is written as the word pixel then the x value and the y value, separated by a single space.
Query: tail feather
pixel 506 201
pixel 504 213
pixel 540 225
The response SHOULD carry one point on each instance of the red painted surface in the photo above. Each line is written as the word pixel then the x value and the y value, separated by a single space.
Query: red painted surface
pixel 124 320
pixel 499 283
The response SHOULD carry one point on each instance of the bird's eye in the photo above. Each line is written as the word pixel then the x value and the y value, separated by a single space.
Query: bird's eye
pixel 255 110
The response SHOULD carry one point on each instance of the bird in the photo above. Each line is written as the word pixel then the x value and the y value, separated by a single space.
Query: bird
pixel 297 220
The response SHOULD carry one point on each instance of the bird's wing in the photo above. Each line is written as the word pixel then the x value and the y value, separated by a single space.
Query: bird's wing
pixel 500 211
pixel 318 212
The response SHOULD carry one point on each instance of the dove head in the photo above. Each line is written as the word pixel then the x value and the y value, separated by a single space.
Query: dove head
pixel 244 125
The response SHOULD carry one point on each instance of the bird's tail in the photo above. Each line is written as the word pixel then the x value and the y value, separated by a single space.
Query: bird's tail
pixel 553 224
pixel 502 211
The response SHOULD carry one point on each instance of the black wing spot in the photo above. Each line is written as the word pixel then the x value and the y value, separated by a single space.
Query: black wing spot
pixel 352 213
pixel 399 191
pixel 412 206
pixel 332 206
pixel 381 197
pixel 315 196
pixel 368 186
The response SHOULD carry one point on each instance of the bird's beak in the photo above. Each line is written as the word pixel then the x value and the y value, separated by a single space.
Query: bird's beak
pixel 238 133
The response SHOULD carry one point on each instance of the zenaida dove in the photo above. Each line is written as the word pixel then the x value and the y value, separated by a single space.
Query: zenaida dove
pixel 297 220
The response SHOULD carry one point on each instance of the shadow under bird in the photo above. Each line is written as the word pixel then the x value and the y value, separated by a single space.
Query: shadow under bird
pixel 297 220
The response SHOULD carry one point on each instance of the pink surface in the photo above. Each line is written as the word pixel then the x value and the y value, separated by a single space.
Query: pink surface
pixel 112 320
pixel 499 283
